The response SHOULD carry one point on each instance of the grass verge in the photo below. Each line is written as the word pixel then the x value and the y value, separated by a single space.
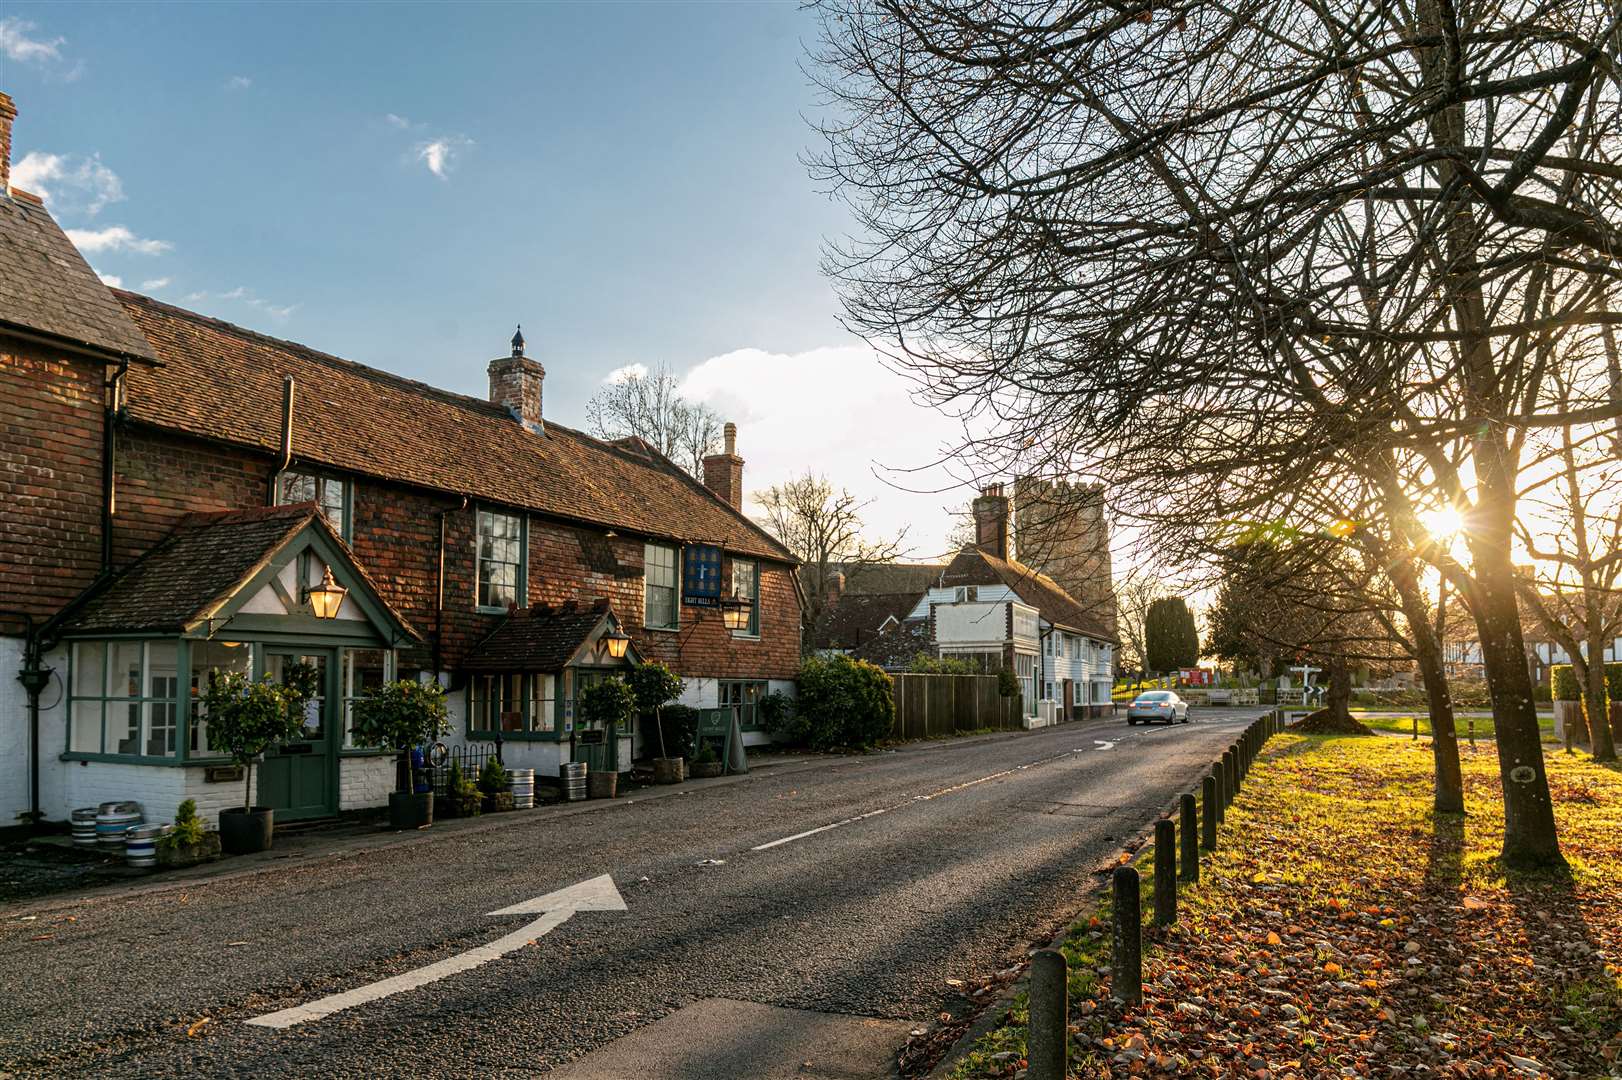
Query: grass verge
pixel 1344 929
pixel 1404 725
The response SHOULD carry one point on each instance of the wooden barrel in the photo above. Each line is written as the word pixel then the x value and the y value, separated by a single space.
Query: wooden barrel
pixel 572 775
pixel 523 788
pixel 112 820
pixel 84 827
pixel 141 844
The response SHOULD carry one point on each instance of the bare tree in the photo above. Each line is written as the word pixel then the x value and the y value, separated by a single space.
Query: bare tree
pixel 822 526
pixel 1219 255
pixel 1134 593
pixel 650 407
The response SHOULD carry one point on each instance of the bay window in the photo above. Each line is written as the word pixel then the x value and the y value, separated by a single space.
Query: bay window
pixel 123 698
pixel 512 703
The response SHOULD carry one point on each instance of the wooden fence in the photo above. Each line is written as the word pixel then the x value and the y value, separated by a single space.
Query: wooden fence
pixel 928 705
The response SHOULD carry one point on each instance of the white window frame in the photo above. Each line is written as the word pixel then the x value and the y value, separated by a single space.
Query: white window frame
pixel 520 566
pixel 649 566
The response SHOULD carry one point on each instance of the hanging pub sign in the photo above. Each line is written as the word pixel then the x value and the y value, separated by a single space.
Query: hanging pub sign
pixel 701 575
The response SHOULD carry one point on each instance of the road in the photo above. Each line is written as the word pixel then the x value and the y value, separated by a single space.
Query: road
pixel 851 890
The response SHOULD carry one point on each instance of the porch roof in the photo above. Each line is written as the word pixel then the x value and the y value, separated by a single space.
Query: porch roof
pixel 190 575
pixel 539 638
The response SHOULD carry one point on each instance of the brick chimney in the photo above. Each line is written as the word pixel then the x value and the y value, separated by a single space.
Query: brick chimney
pixel 723 472
pixel 515 382
pixel 8 113
pixel 991 521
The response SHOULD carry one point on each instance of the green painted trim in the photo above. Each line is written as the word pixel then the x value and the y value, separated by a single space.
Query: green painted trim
pixel 297 629
pixel 365 751
pixel 125 759
pixel 521 586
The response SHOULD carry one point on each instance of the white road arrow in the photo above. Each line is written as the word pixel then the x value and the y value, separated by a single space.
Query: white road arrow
pixel 1104 745
pixel 554 909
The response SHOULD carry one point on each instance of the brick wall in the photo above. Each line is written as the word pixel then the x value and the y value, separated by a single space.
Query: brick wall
pixel 163 477
pixel 50 475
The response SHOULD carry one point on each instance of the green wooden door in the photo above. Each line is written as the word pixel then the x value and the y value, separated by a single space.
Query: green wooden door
pixel 299 780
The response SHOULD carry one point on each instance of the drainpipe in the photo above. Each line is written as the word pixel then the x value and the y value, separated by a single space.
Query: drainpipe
pixel 439 589
pixel 286 457
pixel 112 412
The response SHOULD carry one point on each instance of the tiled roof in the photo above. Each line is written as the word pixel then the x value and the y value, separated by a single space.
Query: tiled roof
pixel 854 619
pixel 223 382
pixel 973 566
pixel 888 577
pixel 188 574
pixel 47 287
pixel 537 638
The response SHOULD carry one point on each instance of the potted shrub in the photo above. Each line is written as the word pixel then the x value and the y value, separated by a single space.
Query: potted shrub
pixel 246 718
pixel 655 686
pixel 461 793
pixel 609 703
pixel 705 764
pixel 187 842
pixel 493 783
pixel 401 715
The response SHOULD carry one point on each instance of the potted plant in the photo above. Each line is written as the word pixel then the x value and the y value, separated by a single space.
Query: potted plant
pixel 187 842
pixel 705 764
pixel 609 703
pixel 400 715
pixel 461 793
pixel 655 686
pixel 493 782
pixel 246 718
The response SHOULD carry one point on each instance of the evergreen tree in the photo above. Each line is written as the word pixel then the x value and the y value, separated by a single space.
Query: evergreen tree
pixel 1171 642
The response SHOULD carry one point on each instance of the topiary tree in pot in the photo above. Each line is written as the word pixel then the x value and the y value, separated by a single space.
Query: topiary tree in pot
pixel 246 718
pixel 400 715
pixel 654 686
pixel 609 703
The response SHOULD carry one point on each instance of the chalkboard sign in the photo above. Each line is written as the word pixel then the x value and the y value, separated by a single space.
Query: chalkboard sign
pixel 714 731
pixel 701 575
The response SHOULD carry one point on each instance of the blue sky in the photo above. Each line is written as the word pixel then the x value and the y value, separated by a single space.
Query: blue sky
pixel 401 184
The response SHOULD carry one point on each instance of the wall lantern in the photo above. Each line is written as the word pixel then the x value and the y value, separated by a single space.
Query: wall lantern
pixel 735 613
pixel 617 641
pixel 327 597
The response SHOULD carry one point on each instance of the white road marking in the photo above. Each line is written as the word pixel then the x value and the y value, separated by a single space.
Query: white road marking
pixel 1104 745
pixel 555 909
pixel 825 828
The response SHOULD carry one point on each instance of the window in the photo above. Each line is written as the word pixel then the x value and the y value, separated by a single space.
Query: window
pixel 659 587
pixel 744 695
pixel 209 656
pixel 511 703
pixel 123 698
pixel 327 492
pixel 361 670
pixel 1025 671
pixel 501 559
pixel 965 594
pixel 746 586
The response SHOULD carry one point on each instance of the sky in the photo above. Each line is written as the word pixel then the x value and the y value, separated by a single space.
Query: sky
pixel 402 184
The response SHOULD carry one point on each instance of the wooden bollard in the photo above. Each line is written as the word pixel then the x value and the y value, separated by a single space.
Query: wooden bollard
pixel 1209 800
pixel 1230 778
pixel 1047 1036
pixel 1219 770
pixel 1187 840
pixel 1165 872
pixel 1126 939
pixel 1233 763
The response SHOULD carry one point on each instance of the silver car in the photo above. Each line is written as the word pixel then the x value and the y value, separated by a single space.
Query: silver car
pixel 1152 705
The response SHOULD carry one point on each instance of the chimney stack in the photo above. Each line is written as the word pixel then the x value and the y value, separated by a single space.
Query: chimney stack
pixel 8 113
pixel 991 521
pixel 723 472
pixel 515 382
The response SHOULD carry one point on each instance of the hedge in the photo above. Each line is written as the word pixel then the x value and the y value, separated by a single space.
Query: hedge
pixel 1563 679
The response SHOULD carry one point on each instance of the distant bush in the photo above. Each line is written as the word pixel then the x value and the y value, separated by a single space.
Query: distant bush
pixel 843 702
pixel 1563 682
pixel 924 664
pixel 776 712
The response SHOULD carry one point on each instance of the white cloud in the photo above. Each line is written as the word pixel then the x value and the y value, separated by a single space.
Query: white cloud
pixel 115 238
pixel 244 295
pixel 69 182
pixel 17 45
pixel 154 284
pixel 396 121
pixel 440 154
pixel 847 417
pixel 238 82
pixel 622 374
pixel 112 281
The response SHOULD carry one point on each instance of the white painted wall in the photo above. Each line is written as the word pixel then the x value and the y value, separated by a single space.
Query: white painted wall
pixel 977 623
pixel 14 733
pixel 996 594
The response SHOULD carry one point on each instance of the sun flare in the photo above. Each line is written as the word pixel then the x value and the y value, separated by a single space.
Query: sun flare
pixel 1444 523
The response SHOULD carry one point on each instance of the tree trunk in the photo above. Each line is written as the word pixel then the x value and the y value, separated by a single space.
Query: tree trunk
pixel 1337 702
pixel 1449 781
pixel 247 787
pixel 1530 839
pixel 1599 729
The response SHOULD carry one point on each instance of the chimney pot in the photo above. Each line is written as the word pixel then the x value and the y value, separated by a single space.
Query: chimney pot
pixel 991 521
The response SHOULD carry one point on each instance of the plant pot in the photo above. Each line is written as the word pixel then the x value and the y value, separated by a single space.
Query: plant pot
pixel 246 830
pixel 463 805
pixel 175 856
pixel 602 785
pixel 496 802
pixel 705 770
pixel 411 809
pixel 669 770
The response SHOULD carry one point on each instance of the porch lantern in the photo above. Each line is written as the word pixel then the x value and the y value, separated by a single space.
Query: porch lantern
pixel 327 597
pixel 735 613
pixel 617 642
